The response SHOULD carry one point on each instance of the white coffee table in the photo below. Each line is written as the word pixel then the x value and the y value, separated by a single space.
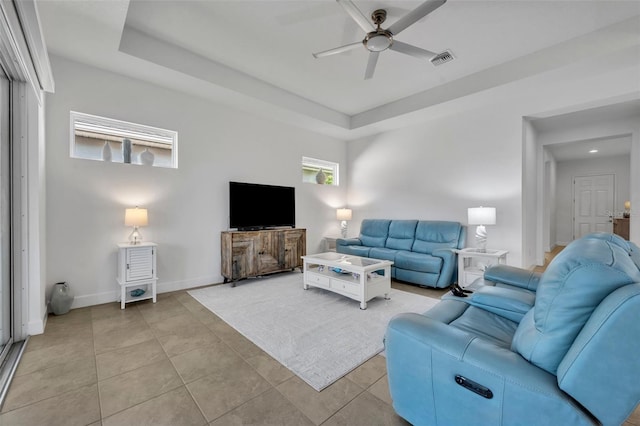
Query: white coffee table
pixel 352 276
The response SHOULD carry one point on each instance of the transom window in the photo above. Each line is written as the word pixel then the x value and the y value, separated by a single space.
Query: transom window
pixel 320 172
pixel 107 139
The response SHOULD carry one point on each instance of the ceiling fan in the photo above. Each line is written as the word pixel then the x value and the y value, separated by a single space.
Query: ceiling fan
pixel 379 39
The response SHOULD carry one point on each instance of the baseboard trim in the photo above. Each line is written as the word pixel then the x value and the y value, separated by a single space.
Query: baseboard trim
pixel 37 326
pixel 166 287
pixel 162 287
pixel 95 299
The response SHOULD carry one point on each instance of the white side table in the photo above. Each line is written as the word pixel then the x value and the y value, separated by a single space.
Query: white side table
pixel 330 242
pixel 472 263
pixel 137 271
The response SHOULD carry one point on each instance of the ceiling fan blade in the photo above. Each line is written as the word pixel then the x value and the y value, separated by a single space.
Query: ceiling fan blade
pixel 337 50
pixel 415 15
pixel 356 15
pixel 409 49
pixel 371 65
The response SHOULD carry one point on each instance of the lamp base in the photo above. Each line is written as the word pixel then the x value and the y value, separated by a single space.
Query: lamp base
pixel 135 237
pixel 481 239
pixel 343 228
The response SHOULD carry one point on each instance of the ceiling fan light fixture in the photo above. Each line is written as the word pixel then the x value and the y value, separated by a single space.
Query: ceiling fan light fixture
pixel 378 41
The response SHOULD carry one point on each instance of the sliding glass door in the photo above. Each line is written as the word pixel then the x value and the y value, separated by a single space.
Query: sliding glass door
pixel 6 326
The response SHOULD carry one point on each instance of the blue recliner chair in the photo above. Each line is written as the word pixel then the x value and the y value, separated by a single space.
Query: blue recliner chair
pixel 561 348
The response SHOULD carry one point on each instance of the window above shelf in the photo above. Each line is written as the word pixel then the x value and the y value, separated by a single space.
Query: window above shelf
pixel 320 172
pixel 110 140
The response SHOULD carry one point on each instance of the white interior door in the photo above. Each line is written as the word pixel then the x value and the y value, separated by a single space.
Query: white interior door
pixel 593 204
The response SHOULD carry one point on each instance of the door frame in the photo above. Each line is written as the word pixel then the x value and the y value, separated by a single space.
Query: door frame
pixel 23 57
pixel 533 159
pixel 8 163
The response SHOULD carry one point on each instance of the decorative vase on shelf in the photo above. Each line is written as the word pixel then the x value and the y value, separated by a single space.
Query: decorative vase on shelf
pixel 61 298
pixel 321 177
pixel 147 157
pixel 106 152
pixel 126 151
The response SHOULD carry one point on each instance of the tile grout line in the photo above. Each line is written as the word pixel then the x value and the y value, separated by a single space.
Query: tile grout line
pixel 156 396
pixel 141 402
pixel 194 313
pixel 97 377
pixel 222 340
pixel 300 409
pixel 47 398
pixel 121 373
pixel 95 359
pixel 276 388
pixel 228 411
pixel 195 401
pixel 33 372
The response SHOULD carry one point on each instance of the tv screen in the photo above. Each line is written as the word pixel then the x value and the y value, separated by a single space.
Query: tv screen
pixel 255 206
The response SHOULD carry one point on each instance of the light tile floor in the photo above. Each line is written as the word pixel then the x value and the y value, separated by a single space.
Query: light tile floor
pixel 176 363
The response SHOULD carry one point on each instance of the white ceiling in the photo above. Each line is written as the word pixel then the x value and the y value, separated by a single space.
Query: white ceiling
pixel 257 54
pixel 583 149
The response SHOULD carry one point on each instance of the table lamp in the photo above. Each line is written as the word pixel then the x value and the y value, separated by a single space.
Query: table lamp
pixel 343 215
pixel 481 216
pixel 627 209
pixel 136 218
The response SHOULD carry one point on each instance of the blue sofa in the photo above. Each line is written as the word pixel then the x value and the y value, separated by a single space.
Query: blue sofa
pixel 422 251
pixel 559 348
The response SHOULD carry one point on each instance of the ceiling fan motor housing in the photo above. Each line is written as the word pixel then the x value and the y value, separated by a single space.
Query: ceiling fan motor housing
pixel 379 16
pixel 378 40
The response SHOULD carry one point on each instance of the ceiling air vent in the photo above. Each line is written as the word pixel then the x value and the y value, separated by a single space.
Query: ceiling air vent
pixel 442 58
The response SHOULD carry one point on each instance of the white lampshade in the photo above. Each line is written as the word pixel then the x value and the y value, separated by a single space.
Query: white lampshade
pixel 627 205
pixel 136 217
pixel 482 216
pixel 343 214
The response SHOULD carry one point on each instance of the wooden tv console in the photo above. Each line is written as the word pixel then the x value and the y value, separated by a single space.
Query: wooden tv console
pixel 254 253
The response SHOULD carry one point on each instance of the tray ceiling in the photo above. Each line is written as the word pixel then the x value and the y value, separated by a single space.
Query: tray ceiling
pixel 260 52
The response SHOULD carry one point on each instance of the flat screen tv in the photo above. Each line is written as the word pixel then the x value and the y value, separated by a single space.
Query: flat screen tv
pixel 255 206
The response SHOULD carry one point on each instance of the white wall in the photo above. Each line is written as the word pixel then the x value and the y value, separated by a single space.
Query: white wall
pixel 188 207
pixel 568 170
pixel 465 153
pixel 437 170
pixel 474 151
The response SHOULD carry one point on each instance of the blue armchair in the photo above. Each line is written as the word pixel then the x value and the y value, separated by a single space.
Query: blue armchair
pixel 561 348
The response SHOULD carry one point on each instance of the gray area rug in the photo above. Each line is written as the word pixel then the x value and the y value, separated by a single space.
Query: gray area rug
pixel 319 335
